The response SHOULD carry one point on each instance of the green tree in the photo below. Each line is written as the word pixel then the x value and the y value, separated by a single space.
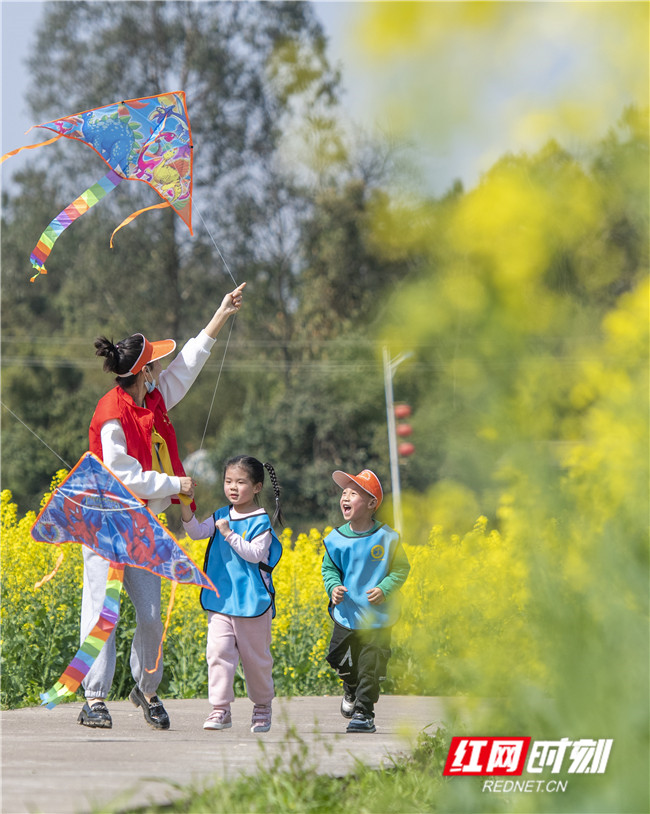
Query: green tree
pixel 328 411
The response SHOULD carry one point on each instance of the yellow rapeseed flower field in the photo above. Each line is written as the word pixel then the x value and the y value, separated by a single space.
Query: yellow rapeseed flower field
pixel 463 594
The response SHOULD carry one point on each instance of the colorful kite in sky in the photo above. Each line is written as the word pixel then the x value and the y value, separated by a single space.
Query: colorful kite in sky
pixel 147 139
pixel 92 507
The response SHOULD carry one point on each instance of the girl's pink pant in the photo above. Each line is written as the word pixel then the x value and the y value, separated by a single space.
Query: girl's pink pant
pixel 235 638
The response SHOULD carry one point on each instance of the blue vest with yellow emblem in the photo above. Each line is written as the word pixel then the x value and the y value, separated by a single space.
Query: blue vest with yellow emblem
pixel 363 560
pixel 241 586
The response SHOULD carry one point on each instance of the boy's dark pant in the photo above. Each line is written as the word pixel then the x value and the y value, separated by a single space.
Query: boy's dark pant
pixel 360 658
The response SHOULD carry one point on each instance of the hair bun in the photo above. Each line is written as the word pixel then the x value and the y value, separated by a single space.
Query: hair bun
pixel 105 347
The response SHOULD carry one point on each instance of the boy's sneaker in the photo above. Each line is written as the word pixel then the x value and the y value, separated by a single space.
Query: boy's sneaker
pixel 361 722
pixel 218 719
pixel 261 721
pixel 347 705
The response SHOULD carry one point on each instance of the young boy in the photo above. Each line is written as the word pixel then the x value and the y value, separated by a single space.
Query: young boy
pixel 363 568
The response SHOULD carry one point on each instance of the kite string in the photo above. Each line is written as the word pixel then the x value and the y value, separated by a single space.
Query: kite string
pixel 214 393
pixel 35 434
pixel 232 322
pixel 214 242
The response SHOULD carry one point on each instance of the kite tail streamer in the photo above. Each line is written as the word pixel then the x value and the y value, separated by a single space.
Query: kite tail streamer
pixel 134 215
pixel 76 671
pixel 70 214
pixel 48 577
pixel 28 147
pixel 170 606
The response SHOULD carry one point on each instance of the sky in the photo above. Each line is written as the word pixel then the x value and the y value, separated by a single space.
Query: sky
pixel 462 82
pixel 18 24
pixel 19 21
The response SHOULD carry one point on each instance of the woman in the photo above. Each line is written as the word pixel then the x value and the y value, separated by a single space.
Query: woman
pixel 131 432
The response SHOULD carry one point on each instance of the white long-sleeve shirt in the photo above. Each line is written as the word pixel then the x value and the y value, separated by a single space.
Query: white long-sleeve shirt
pixel 255 550
pixel 173 382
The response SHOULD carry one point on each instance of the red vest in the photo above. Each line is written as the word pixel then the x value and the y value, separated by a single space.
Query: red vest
pixel 137 423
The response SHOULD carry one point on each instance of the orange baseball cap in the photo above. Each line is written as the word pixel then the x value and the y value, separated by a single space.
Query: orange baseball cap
pixel 150 352
pixel 366 479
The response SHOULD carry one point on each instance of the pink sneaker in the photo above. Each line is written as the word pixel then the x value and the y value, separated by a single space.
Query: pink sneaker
pixel 261 721
pixel 218 719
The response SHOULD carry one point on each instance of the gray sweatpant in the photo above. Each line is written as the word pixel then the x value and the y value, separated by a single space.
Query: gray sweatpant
pixel 143 588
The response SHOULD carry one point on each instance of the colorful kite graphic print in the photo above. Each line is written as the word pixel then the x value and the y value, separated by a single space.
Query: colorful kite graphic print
pixel 94 508
pixel 147 139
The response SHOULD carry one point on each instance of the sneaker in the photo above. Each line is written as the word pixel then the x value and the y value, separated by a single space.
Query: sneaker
pixel 347 705
pixel 154 712
pixel 218 719
pixel 361 722
pixel 261 721
pixel 95 715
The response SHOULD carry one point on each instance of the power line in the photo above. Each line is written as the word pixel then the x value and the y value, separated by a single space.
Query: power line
pixel 232 365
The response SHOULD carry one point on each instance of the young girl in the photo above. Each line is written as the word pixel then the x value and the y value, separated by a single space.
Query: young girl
pixel 240 557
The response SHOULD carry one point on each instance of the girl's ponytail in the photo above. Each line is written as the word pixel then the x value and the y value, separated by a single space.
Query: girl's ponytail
pixel 277 515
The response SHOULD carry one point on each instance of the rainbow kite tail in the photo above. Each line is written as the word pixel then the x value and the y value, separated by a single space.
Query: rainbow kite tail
pixel 70 214
pixel 76 671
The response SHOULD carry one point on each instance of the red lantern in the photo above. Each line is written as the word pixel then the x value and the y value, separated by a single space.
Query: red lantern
pixel 406 449
pixel 404 430
pixel 402 411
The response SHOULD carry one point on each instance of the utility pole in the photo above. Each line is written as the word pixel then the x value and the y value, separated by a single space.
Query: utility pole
pixel 390 365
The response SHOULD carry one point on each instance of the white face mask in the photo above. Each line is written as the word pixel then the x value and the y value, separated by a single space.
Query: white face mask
pixel 150 385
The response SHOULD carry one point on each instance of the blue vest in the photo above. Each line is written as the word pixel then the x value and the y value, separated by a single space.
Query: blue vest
pixel 363 562
pixel 242 589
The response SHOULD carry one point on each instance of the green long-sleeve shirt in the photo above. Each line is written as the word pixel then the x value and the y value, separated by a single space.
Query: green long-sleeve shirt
pixel 392 582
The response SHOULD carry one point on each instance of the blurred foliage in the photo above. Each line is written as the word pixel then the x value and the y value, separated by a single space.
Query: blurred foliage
pixel 535 308
pixel 529 329
pixel 564 70
pixel 522 271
